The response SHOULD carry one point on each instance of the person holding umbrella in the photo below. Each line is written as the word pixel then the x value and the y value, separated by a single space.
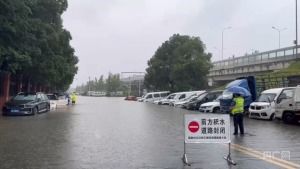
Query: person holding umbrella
pixel 237 111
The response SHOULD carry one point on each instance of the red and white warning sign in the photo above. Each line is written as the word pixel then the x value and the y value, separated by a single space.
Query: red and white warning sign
pixel 194 126
pixel 207 128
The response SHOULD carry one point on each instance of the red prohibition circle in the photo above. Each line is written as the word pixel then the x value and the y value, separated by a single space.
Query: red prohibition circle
pixel 194 126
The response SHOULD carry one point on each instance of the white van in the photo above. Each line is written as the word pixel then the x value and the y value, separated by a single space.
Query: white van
pixel 264 107
pixel 153 96
pixel 287 105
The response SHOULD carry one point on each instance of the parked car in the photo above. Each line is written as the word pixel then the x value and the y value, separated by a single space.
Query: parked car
pixel 211 107
pixel 186 100
pixel 141 99
pixel 203 98
pixel 264 106
pixel 27 103
pixel 131 98
pixel 165 100
pixel 53 101
pixel 153 96
pixel 190 96
pixel 182 96
pixel 287 105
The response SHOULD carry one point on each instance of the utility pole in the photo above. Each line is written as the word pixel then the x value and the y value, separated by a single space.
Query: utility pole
pixel 278 30
pixel 223 39
pixel 296 42
pixel 89 85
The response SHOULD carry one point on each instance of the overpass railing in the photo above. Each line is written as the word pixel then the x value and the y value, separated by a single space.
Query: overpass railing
pixel 282 54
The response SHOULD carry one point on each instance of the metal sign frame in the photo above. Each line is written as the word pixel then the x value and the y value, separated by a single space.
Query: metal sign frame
pixel 185 158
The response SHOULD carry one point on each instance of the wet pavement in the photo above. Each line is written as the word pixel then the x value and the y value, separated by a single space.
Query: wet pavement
pixel 111 133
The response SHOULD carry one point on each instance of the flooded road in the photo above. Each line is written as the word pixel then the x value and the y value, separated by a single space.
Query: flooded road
pixel 113 133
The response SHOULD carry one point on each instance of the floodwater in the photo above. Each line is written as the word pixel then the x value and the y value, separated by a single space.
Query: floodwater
pixel 111 133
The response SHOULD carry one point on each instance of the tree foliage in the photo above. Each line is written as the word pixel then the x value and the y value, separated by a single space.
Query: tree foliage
pixel 179 64
pixel 34 44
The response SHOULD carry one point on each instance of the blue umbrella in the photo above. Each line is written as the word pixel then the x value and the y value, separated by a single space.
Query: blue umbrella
pixel 239 90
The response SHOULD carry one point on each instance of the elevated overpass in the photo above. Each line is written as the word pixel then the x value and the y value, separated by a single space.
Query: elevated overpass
pixel 253 64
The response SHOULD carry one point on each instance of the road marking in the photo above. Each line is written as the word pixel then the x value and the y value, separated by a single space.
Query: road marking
pixel 260 155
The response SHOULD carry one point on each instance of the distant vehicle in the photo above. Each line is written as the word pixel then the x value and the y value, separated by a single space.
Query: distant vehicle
pixel 203 98
pixel 211 107
pixel 153 96
pixel 166 100
pixel 27 103
pixel 249 88
pixel 287 105
pixel 53 101
pixel 57 101
pixel 96 93
pixel 131 98
pixel 264 106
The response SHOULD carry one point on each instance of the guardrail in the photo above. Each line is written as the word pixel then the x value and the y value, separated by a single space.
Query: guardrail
pixel 278 55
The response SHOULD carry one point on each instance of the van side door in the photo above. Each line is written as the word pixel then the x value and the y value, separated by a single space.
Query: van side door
pixel 285 101
pixel 297 99
pixel 156 96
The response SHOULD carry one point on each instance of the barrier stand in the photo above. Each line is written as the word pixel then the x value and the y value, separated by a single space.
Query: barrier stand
pixel 228 157
pixel 184 157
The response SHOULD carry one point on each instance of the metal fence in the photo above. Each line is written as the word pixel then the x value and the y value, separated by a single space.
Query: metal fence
pixel 278 55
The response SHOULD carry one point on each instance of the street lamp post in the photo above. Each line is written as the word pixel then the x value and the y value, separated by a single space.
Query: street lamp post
pixel 223 39
pixel 89 86
pixel 278 30
pixel 296 41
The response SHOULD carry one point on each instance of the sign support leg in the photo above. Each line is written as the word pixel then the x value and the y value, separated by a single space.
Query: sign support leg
pixel 228 157
pixel 184 157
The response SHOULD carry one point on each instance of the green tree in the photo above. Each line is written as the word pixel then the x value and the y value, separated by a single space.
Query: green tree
pixel 14 32
pixel 113 83
pixel 34 44
pixel 179 64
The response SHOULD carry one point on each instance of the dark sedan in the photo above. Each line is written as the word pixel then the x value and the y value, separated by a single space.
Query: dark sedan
pixel 27 103
pixel 203 98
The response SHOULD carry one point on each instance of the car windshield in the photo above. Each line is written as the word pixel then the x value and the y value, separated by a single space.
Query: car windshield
pixel 28 97
pixel 189 98
pixel 193 99
pixel 266 97
pixel 218 98
pixel 170 96
pixel 201 96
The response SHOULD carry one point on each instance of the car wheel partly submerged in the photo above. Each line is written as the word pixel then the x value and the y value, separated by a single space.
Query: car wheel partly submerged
pixel 217 110
pixel 272 117
pixel 288 117
pixel 48 108
pixel 34 110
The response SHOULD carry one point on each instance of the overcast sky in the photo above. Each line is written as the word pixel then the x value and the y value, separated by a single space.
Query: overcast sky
pixel 122 35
